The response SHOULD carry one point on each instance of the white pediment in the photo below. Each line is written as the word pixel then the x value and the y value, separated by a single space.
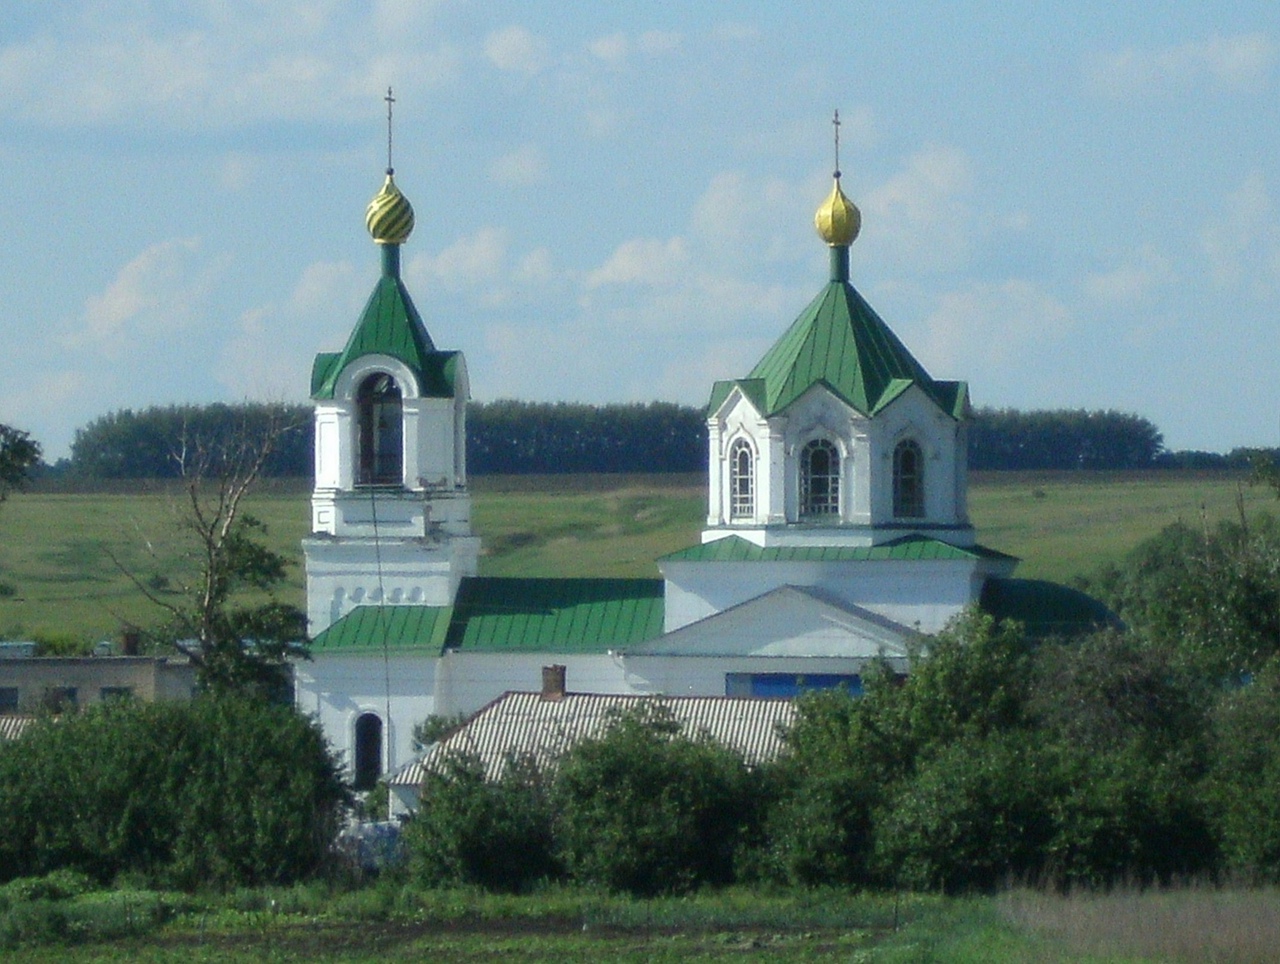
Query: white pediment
pixel 787 621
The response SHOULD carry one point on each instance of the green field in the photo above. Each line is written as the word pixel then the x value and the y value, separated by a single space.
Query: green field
pixel 66 560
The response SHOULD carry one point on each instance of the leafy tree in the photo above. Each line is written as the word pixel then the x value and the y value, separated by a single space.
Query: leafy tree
pixel 1212 595
pixel 1062 439
pixel 494 834
pixel 645 810
pixel 1244 786
pixel 234 645
pixel 218 791
pixel 157 442
pixel 19 453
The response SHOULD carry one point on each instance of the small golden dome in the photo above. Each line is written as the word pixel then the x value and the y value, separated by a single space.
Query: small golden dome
pixel 838 219
pixel 390 215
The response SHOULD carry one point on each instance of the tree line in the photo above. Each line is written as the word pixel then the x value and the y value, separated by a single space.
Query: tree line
pixel 516 437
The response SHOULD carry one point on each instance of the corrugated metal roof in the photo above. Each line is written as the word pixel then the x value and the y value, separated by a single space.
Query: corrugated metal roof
pixel 528 725
pixel 390 627
pixel 554 615
pixel 840 342
pixel 738 549
pixel 13 726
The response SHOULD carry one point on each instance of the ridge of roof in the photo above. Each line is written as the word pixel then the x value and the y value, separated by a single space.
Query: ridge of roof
pixel 909 547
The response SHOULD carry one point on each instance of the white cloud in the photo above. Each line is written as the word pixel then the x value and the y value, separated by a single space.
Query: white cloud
pixel 990 324
pixel 268 357
pixel 1141 273
pixel 920 216
pixel 516 50
pixel 612 49
pixel 525 165
pixel 227 66
pixel 643 261
pixel 471 262
pixel 536 267
pixel 1242 241
pixel 156 290
pixel 1241 63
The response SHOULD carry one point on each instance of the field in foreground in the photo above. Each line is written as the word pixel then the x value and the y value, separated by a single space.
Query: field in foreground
pixel 388 924
pixel 66 560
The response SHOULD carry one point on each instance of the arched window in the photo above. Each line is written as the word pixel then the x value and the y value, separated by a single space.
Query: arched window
pixel 908 481
pixel 819 479
pixel 742 480
pixel 368 751
pixel 379 420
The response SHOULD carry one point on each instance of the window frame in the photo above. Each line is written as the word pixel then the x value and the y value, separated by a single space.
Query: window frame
pixel 742 486
pixel 824 505
pixel 908 481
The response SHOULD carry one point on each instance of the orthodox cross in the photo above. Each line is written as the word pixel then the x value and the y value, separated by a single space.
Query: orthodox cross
pixel 835 122
pixel 390 100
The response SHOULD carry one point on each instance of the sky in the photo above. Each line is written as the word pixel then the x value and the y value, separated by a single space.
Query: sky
pixel 1065 204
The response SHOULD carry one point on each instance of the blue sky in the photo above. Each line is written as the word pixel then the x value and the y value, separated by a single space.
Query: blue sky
pixel 1068 205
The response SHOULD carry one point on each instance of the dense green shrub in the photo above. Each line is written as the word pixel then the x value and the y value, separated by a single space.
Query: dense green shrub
pixel 468 830
pixel 1244 786
pixel 975 815
pixel 218 791
pixel 645 810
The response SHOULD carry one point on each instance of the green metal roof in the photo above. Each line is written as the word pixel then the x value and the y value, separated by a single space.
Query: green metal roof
pixel 391 627
pixel 390 325
pixel 738 549
pixel 1045 608
pixel 555 615
pixel 840 342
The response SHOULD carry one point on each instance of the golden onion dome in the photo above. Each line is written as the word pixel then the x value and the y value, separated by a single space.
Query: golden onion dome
pixel 390 215
pixel 838 219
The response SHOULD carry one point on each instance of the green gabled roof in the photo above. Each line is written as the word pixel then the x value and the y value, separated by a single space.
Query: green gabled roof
pixel 1045 608
pixel 376 628
pixel 840 342
pixel 390 325
pixel 554 615
pixel 738 549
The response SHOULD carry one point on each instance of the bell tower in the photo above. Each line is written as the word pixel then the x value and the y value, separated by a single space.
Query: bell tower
pixel 390 509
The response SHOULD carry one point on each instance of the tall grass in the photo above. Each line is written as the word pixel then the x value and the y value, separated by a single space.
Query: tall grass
pixel 1227 926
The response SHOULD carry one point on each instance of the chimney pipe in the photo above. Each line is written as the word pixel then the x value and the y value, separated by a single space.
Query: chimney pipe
pixel 130 641
pixel 553 685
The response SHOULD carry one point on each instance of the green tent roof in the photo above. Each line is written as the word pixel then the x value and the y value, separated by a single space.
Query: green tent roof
pixel 390 325
pixel 840 342
pixel 738 549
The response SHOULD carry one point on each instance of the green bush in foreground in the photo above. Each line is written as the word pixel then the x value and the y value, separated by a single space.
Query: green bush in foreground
pixel 216 792
pixel 645 810
pixel 469 830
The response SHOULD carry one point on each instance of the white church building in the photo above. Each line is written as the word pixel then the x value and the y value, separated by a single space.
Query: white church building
pixel 837 530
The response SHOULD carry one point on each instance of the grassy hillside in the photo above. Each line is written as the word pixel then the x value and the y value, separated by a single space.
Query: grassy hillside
pixel 65 556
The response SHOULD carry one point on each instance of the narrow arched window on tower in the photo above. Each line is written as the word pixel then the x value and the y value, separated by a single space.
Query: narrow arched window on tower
pixel 368 751
pixel 742 480
pixel 819 479
pixel 908 481
pixel 379 419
